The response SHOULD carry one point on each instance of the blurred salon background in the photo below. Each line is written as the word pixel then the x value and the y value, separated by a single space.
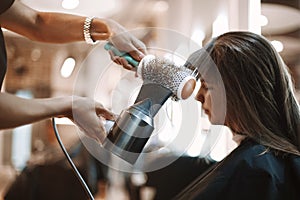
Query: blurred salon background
pixel 31 161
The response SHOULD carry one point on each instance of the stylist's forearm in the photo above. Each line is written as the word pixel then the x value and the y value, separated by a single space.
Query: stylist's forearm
pixel 56 28
pixel 17 111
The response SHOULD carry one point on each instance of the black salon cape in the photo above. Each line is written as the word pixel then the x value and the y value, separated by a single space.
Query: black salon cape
pixel 249 172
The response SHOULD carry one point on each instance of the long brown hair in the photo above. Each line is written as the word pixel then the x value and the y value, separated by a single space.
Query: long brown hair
pixel 260 97
pixel 257 82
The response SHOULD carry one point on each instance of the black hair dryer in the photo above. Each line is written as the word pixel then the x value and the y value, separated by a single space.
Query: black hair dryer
pixel 131 131
pixel 133 128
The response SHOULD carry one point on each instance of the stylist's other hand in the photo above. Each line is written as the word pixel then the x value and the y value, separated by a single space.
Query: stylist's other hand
pixel 88 115
pixel 126 42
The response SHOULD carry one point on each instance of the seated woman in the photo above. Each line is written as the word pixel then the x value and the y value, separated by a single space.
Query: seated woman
pixel 246 86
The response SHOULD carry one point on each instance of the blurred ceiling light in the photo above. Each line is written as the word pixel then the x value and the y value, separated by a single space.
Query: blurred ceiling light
pixel 68 67
pixel 70 4
pixel 36 54
pixel 277 45
pixel 198 36
pixel 161 6
pixel 263 20
pixel 100 8
pixel 282 19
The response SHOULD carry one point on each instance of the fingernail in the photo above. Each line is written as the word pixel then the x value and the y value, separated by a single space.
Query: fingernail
pixel 129 67
pixel 141 56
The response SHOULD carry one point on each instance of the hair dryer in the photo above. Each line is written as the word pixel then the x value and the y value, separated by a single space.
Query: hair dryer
pixel 162 79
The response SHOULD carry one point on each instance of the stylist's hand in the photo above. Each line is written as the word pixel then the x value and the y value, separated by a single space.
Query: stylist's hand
pixel 126 42
pixel 88 114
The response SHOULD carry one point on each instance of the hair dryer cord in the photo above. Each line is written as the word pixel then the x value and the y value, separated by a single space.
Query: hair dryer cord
pixel 82 182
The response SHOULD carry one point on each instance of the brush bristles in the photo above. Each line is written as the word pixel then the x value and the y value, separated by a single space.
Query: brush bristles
pixel 164 72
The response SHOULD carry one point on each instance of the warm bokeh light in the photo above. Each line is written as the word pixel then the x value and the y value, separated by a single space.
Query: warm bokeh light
pixel 70 4
pixel 68 67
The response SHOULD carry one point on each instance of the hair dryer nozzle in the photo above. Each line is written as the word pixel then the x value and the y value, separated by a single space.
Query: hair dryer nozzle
pixel 130 132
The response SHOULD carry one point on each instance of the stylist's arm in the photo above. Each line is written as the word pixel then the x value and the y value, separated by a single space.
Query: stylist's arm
pixel 51 27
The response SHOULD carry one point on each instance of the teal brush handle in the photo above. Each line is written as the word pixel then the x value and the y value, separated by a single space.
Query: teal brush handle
pixel 117 52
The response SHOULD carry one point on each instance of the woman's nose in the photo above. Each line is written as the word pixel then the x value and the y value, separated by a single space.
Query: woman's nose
pixel 199 96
